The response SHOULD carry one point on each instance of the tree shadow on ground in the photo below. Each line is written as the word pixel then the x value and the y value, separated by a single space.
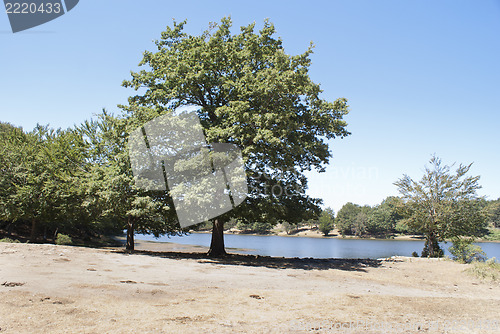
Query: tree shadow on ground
pixel 269 261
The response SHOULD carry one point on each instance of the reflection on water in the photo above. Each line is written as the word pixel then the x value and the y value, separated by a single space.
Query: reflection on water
pixel 315 247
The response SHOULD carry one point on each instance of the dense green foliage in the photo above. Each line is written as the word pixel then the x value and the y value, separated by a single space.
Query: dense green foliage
pixel 493 234
pixel 261 227
pixel 463 250
pixel 111 190
pixel 326 221
pixel 76 182
pixel 346 217
pixel 41 179
pixel 385 218
pixel 381 220
pixel 493 212
pixel 256 227
pixel 63 239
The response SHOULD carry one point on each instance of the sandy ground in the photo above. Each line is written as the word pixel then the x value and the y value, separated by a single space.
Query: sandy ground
pixel 62 289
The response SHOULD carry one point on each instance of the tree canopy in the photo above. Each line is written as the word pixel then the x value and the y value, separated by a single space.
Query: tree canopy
pixel 493 210
pixel 110 187
pixel 326 221
pixel 41 173
pixel 442 204
pixel 76 181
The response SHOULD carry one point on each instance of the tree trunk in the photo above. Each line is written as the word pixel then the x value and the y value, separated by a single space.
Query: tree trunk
pixel 431 247
pixel 54 237
pixel 33 230
pixel 217 244
pixel 130 234
pixel 430 244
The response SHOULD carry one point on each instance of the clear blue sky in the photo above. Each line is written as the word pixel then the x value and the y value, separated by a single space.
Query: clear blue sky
pixel 421 77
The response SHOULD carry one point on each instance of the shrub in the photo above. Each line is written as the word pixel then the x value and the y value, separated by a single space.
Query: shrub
pixel 262 228
pixel 326 222
pixel 325 228
pixel 438 251
pixel 465 252
pixel 9 240
pixel 63 239
pixel 414 254
pixel 243 226
pixel 486 270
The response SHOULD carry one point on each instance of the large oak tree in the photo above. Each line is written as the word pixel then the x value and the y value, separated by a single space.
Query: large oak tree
pixel 248 91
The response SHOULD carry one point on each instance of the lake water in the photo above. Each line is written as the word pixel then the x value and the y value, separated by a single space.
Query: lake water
pixel 314 247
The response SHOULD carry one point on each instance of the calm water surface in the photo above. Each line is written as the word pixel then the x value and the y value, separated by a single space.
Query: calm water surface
pixel 314 247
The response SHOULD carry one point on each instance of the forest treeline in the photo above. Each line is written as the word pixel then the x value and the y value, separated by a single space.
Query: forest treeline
pixel 75 182
pixel 383 220
pixel 78 182
pixel 388 218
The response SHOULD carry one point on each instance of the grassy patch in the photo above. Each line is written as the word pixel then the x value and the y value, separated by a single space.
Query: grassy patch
pixel 489 270
pixel 9 240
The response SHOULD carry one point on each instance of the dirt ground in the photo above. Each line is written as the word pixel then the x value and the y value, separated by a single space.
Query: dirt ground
pixel 63 289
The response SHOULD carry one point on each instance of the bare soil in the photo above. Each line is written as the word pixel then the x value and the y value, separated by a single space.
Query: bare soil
pixel 64 289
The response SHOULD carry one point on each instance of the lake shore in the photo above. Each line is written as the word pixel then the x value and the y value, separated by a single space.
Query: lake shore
pixel 60 289
pixel 310 233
